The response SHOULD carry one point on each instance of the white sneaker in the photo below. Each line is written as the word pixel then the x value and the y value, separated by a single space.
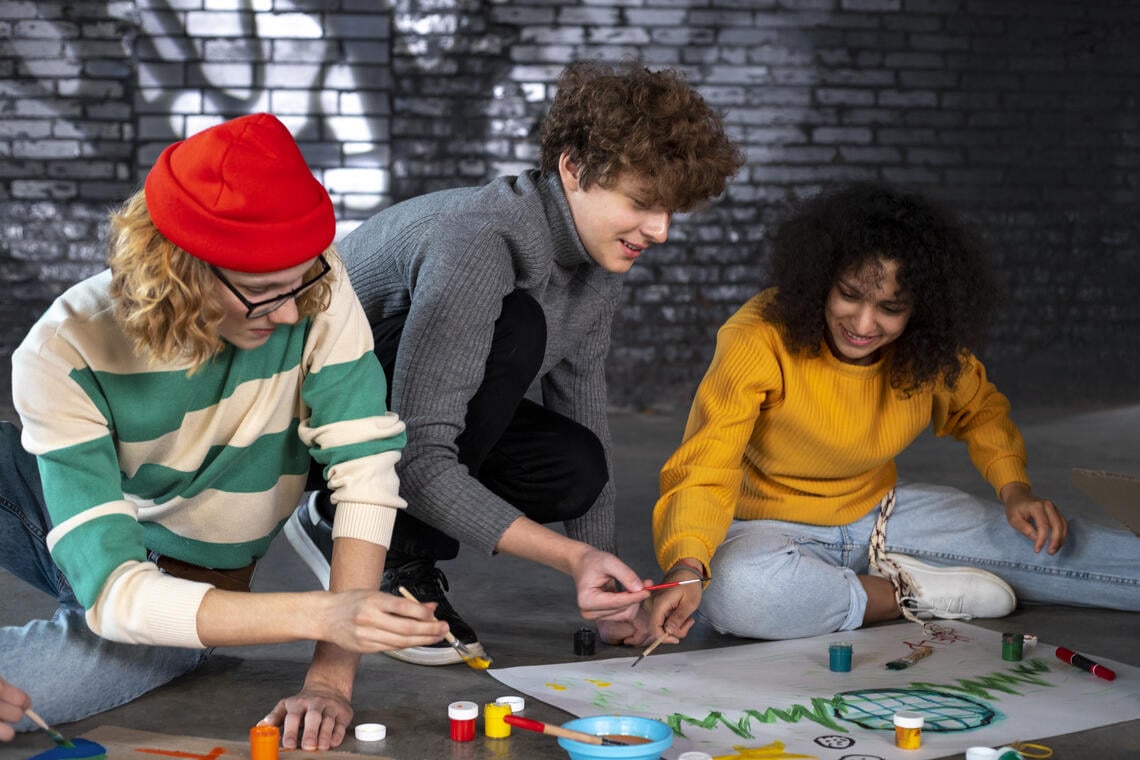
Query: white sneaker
pixel 952 593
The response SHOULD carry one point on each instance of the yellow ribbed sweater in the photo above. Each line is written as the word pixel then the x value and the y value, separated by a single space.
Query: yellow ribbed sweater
pixel 777 435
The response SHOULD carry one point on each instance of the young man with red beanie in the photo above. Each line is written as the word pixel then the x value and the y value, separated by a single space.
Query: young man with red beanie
pixel 171 407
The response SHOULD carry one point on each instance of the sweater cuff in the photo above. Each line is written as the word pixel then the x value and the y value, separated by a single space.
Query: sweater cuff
pixel 140 604
pixel 682 548
pixel 1007 470
pixel 367 522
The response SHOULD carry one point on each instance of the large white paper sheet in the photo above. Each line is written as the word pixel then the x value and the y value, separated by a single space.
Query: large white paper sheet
pixel 780 700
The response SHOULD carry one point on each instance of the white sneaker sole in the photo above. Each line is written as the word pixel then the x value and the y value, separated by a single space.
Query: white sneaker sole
pixel 433 656
pixel 307 550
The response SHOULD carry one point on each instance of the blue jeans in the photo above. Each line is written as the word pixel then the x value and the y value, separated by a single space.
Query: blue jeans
pixel 780 580
pixel 69 672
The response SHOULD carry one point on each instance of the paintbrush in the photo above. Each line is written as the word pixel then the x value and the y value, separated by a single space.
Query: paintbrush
pixel 651 647
pixel 474 661
pixel 671 584
pixel 55 736
pixel 903 663
pixel 569 733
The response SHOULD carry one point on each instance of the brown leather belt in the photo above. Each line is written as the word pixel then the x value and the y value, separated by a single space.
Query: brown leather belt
pixel 237 579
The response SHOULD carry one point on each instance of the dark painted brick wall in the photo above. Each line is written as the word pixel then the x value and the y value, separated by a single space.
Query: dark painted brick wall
pixel 1023 113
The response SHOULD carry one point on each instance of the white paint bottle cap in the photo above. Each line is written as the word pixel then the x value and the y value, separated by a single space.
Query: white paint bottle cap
pixel 370 732
pixel 517 704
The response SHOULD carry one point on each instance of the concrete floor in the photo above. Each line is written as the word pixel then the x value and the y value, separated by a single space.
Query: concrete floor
pixel 525 615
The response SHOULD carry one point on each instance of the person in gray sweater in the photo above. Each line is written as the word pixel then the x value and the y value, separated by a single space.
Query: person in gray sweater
pixel 491 310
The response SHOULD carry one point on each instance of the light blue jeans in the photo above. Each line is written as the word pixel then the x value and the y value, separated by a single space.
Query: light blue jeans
pixel 781 580
pixel 69 672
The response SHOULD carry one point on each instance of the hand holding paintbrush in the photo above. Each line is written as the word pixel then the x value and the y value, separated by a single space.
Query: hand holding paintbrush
pixel 475 661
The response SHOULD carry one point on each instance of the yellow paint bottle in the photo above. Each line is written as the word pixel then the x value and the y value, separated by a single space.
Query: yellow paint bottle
pixel 493 724
pixel 908 730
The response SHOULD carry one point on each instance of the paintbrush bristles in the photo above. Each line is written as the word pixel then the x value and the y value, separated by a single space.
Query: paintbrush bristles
pixel 55 736
pixel 651 647
pixel 475 661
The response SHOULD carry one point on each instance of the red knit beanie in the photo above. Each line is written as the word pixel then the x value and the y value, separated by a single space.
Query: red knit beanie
pixel 240 196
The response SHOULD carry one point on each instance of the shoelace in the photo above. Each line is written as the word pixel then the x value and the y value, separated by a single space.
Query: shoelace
pixel 919 607
pixel 902 582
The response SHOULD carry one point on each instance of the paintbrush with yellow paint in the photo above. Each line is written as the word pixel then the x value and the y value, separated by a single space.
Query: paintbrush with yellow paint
pixel 475 661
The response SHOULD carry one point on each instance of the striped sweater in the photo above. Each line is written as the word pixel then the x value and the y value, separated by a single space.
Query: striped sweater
pixel 204 467
pixel 782 436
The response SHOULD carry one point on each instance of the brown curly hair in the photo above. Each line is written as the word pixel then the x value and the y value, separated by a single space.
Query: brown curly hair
pixel 943 266
pixel 613 118
pixel 166 300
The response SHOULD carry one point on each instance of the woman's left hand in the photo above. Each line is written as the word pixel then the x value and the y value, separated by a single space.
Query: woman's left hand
pixel 1037 519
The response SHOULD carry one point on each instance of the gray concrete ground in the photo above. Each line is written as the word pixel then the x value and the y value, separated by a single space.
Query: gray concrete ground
pixel 525 615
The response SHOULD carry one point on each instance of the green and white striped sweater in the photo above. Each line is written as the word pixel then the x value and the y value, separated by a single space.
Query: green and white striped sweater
pixel 203 467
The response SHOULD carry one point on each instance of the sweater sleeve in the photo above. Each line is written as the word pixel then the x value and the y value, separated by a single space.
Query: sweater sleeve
pixel 576 388
pixel 974 411
pixel 700 482
pixel 458 293
pixel 350 432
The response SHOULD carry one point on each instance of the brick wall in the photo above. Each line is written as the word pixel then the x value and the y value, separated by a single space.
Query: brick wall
pixel 1023 113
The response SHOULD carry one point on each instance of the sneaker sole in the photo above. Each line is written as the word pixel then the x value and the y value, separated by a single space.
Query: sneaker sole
pixel 307 551
pixel 433 656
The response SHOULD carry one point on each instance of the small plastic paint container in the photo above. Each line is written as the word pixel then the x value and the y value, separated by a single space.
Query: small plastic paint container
pixel 839 656
pixel 493 724
pixel 908 729
pixel 370 732
pixel 988 753
pixel 517 704
pixel 462 716
pixel 264 742
pixel 585 641
pixel 1012 646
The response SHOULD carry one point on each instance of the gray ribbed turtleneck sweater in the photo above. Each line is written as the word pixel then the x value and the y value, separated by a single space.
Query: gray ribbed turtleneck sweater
pixel 448 259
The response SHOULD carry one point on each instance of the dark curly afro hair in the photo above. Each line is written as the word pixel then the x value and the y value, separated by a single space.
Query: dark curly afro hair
pixel 942 262
pixel 613 118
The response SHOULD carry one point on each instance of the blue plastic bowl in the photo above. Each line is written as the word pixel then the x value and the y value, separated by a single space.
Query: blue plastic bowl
pixel 618 725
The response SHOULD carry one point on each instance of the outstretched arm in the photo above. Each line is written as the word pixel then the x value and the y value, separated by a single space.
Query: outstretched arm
pixel 352 618
pixel 597 574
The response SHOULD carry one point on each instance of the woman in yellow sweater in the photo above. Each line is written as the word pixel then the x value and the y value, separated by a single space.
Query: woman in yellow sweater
pixel 785 480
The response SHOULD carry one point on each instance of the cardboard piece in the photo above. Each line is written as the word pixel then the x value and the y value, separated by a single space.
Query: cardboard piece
pixel 1115 493
pixel 130 744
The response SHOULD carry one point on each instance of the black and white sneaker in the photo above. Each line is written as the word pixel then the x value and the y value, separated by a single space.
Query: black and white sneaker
pixel 427 583
pixel 310 535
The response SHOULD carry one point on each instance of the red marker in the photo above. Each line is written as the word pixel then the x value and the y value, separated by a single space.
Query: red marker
pixel 1084 663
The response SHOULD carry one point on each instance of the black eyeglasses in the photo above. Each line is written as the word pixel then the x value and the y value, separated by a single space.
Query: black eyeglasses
pixel 255 309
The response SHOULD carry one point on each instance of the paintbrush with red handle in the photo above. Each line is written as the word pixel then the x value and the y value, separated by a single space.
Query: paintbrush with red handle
pixel 565 733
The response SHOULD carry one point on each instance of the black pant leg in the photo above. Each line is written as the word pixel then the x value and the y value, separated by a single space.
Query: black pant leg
pixel 548 466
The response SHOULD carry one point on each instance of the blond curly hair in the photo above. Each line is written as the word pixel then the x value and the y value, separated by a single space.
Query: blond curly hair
pixel 167 301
